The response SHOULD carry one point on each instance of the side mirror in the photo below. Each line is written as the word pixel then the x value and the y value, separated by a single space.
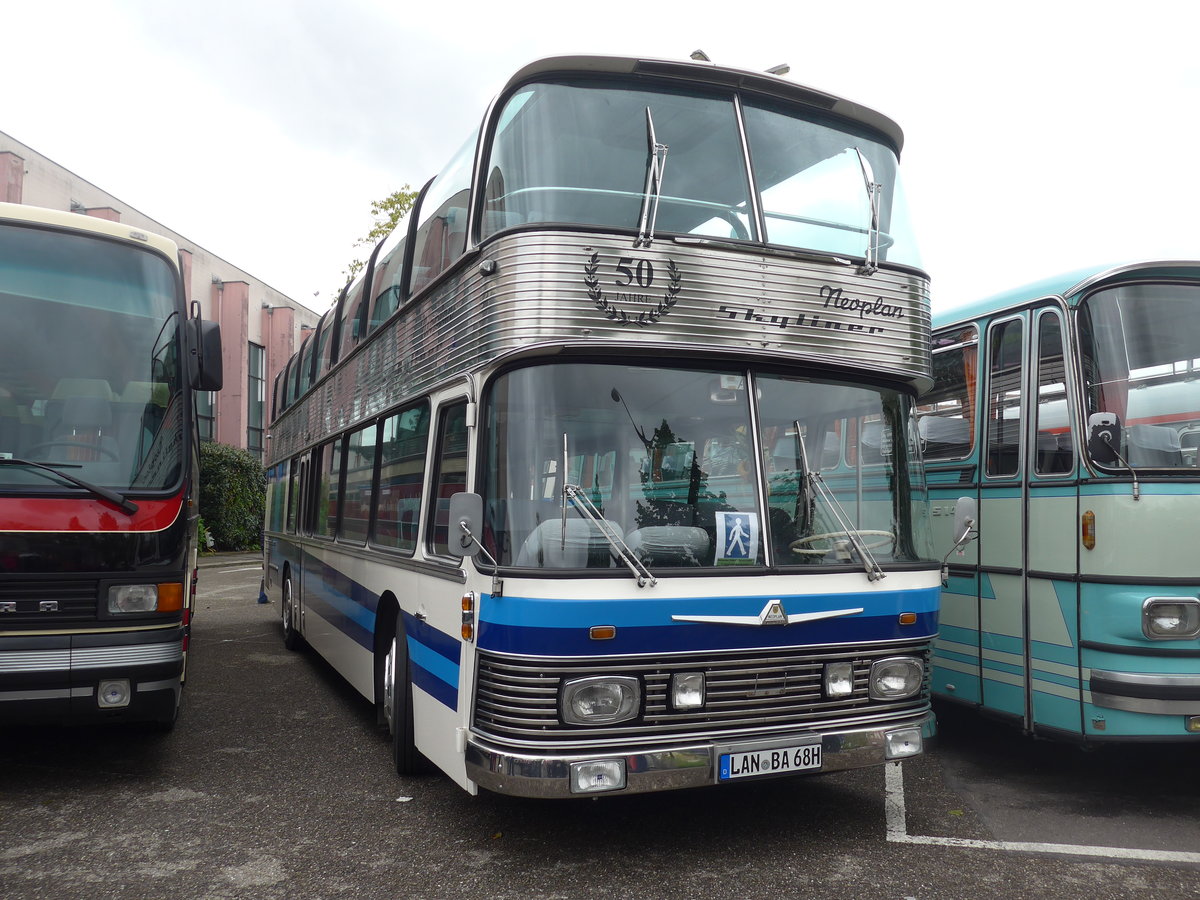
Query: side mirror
pixel 966 515
pixel 1104 436
pixel 466 518
pixel 204 355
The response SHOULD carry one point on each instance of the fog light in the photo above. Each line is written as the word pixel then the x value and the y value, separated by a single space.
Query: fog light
pixel 597 775
pixel 839 679
pixel 896 677
pixel 600 700
pixel 1193 724
pixel 133 598
pixel 1170 618
pixel 687 690
pixel 113 694
pixel 899 744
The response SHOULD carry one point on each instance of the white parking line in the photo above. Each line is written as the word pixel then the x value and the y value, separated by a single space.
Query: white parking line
pixel 241 569
pixel 897 832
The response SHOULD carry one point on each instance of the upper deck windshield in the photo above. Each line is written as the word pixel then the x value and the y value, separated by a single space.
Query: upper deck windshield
pixel 1140 353
pixel 576 152
pixel 89 363
pixel 672 460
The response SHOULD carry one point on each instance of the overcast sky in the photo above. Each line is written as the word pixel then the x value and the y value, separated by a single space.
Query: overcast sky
pixel 1040 136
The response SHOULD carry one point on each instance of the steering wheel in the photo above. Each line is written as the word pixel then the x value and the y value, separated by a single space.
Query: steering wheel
pixel 800 545
pixel 78 446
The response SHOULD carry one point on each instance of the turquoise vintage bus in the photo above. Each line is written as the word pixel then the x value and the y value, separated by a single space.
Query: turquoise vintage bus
pixel 1070 410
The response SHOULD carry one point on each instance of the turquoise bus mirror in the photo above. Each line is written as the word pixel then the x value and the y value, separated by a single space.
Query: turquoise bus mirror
pixel 1104 436
pixel 966 515
pixel 466 518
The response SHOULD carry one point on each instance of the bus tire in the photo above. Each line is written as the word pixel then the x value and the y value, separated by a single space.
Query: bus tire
pixel 398 707
pixel 291 637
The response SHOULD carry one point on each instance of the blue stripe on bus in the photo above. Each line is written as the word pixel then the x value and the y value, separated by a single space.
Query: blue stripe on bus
pixel 560 627
pixel 435 660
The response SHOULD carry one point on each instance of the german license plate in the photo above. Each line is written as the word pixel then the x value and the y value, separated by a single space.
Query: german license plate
pixel 775 761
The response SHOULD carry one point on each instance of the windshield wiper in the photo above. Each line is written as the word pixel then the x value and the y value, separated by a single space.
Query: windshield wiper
pixel 587 509
pixel 655 163
pixel 871 265
pixel 820 489
pixel 119 500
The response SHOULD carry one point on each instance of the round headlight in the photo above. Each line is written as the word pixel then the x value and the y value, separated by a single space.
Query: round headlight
pixel 600 700
pixel 896 678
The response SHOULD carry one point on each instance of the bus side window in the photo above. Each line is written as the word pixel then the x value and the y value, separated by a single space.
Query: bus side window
pixel 947 413
pixel 403 441
pixel 1004 399
pixel 450 473
pixel 1055 450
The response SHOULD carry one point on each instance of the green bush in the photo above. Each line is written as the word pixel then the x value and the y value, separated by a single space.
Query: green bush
pixel 233 491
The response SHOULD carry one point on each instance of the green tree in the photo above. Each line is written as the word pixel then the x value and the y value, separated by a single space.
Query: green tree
pixel 386 214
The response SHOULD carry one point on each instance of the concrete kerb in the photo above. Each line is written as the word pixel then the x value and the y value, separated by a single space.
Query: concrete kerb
pixel 234 558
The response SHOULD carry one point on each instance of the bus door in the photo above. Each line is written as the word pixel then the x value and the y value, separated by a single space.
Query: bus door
pixel 1003 627
pixel 1052 638
pixel 440 664
pixel 950 444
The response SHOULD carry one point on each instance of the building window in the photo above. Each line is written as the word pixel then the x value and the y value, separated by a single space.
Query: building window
pixel 256 389
pixel 206 417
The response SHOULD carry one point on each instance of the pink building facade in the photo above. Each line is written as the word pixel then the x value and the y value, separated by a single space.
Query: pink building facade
pixel 260 327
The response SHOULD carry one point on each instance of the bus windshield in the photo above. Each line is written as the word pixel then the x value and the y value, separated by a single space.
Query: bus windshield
pixel 672 460
pixel 1141 369
pixel 576 152
pixel 90 375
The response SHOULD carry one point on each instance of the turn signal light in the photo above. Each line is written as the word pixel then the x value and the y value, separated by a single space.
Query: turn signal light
pixel 468 616
pixel 1088 529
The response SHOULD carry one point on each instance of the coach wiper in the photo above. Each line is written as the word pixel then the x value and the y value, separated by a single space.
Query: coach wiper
pixel 126 505
pixel 871 264
pixel 575 495
pixel 655 163
pixel 819 489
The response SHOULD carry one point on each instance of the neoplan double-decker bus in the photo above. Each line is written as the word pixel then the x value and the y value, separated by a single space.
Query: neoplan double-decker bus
pixel 1070 410
pixel 605 475
pixel 97 468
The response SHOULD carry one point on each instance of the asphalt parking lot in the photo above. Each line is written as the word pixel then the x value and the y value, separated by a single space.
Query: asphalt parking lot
pixel 277 784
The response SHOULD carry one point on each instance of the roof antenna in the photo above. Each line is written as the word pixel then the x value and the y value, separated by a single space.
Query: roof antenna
pixel 700 56
pixel 781 69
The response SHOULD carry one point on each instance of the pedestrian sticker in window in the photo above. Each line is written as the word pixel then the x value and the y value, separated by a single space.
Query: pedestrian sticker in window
pixel 737 537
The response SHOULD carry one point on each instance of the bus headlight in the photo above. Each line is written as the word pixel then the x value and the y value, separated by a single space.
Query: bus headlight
pixel 126 599
pixel 600 700
pixel 1171 618
pixel 896 677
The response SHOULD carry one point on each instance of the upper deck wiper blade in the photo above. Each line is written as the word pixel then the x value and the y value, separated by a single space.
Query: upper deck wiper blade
pixel 119 500
pixel 656 161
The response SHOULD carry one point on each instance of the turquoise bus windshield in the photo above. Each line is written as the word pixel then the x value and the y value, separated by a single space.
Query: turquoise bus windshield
pixel 90 379
pixel 1140 353
pixel 577 153
pixel 672 460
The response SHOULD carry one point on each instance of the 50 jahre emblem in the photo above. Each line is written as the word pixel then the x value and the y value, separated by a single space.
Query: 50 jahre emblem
pixel 639 294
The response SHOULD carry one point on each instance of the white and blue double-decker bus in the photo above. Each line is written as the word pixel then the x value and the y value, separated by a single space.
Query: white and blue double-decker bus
pixel 605 476
pixel 1070 410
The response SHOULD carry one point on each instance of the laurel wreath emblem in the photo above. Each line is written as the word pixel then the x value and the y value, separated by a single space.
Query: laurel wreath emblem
pixel 646 317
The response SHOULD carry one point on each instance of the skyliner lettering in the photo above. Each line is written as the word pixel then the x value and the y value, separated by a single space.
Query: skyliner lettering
pixel 750 314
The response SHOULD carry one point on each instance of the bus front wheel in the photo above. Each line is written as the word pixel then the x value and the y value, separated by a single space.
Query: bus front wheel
pixel 397 708
pixel 291 637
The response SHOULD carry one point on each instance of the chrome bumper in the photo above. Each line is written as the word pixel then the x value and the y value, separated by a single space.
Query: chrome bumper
pixel 527 774
pixel 1159 695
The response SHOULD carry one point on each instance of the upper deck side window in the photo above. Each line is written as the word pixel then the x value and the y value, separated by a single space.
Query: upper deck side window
pixel 575 152
pixel 441 235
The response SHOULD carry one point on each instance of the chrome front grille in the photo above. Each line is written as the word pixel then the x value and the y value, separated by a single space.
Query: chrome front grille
pixel 51 601
pixel 516 700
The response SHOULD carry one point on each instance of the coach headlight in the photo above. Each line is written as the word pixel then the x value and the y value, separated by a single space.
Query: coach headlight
pixel 1171 618
pixel 600 700
pixel 896 677
pixel 131 599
